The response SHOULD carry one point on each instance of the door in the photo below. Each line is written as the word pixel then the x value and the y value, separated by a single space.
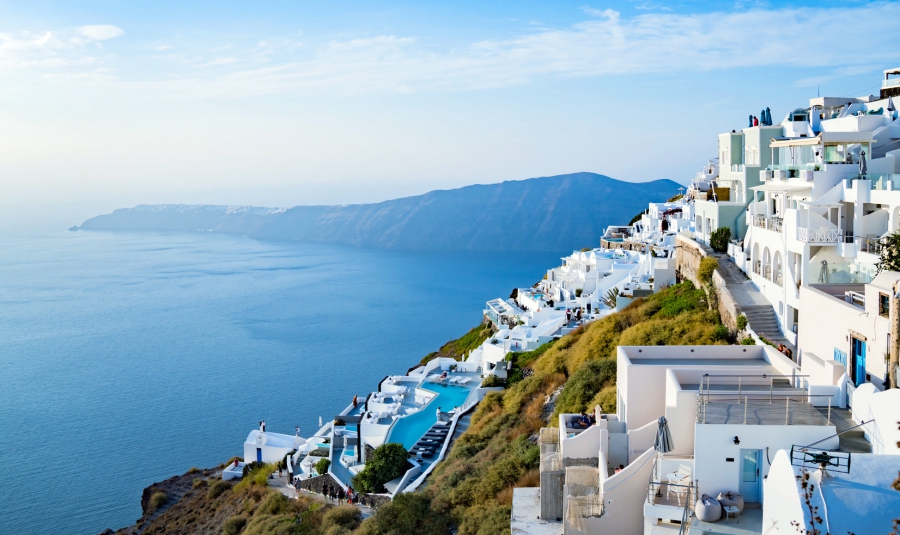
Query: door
pixel 259 455
pixel 750 475
pixel 858 361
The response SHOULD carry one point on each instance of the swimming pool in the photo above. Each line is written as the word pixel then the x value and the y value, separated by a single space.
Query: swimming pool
pixel 409 429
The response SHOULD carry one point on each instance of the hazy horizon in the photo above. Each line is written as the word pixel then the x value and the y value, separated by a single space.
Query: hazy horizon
pixel 108 105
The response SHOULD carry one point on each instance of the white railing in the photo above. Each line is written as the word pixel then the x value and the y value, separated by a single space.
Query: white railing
pixel 778 278
pixel 767 272
pixel 769 223
pixel 819 235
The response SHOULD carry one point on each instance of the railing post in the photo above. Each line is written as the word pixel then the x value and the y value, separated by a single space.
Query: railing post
pixel 829 409
pixel 771 388
pixel 745 410
pixel 787 408
pixel 739 391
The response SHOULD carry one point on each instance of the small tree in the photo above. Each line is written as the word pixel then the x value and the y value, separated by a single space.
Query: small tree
pixel 719 238
pixel 322 466
pixel 741 322
pixel 387 462
pixel 890 253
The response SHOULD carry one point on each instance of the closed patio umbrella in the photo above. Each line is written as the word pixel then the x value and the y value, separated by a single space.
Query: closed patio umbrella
pixel 768 117
pixel 662 443
pixel 862 163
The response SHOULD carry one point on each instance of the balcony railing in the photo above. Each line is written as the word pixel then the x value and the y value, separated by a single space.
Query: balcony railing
pixel 757 267
pixel 767 272
pixel 869 244
pixel 770 223
pixel 779 279
pixel 819 235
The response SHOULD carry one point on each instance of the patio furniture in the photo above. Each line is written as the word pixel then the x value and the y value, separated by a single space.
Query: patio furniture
pixel 708 509
pixel 731 499
pixel 464 381
pixel 732 512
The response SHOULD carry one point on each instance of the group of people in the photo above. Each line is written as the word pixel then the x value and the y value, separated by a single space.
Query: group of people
pixel 336 494
pixel 786 350
pixel 585 420
pixel 575 313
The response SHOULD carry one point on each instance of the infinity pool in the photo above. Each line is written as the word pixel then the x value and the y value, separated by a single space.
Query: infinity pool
pixel 409 429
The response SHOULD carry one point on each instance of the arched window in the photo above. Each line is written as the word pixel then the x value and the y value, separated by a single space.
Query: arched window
pixel 754 258
pixel 767 264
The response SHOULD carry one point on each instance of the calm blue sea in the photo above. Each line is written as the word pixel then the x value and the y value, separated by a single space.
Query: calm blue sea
pixel 126 358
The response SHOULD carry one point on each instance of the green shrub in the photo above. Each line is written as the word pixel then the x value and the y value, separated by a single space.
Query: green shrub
pixel 721 333
pixel 492 380
pixel 584 384
pixel 193 470
pixel 197 483
pixel 346 517
pixel 274 503
pixel 216 489
pixel 719 238
pixel 741 322
pixel 636 218
pixel 157 500
pixel 234 525
pixel 585 249
pixel 407 513
pixel 255 473
pixel 387 462
pixel 707 267
pixel 578 292
pixel 322 466
pixel 748 341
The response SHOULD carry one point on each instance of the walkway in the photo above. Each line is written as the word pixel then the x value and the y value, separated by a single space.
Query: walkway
pixel 751 302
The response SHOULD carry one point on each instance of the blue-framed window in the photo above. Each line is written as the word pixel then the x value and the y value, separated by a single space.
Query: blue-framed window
pixel 840 356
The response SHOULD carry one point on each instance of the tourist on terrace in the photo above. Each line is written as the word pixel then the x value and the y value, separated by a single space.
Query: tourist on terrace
pixel 355 403
pixel 568 315
pixel 583 420
pixel 439 413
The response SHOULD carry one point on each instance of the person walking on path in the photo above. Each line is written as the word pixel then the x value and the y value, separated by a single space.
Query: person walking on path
pixel 568 315
pixel 340 496
pixel 325 491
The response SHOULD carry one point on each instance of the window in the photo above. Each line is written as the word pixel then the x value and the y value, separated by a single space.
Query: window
pixel 840 356
pixel 884 305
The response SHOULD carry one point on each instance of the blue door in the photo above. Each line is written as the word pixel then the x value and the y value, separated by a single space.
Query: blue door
pixel 259 455
pixel 858 361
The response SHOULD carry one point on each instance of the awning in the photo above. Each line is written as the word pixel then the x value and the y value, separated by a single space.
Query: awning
pixel 796 142
pixel 787 187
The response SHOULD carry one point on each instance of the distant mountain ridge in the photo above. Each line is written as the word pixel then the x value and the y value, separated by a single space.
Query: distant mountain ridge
pixel 556 213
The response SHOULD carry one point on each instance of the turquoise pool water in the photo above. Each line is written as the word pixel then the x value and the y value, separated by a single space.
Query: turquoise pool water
pixel 410 429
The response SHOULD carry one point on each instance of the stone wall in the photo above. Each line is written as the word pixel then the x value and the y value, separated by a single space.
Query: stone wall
pixel 728 308
pixel 688 254
pixel 315 484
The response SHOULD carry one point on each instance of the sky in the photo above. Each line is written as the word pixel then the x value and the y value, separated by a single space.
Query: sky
pixel 109 104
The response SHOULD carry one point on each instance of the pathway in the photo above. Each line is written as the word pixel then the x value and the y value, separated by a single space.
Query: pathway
pixel 751 302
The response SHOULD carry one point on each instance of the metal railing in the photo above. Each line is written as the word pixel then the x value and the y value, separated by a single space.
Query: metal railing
pixel 766 409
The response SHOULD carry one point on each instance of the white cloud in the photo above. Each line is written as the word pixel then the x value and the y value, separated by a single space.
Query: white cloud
pixel 100 32
pixel 164 47
pixel 605 45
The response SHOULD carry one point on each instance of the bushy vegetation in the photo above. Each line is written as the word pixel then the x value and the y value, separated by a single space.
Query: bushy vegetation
pixel 676 197
pixel 387 462
pixel 719 239
pixel 234 525
pixel 492 381
pixel 741 322
pixel 255 474
pixel 635 219
pixel 157 500
pixel 522 360
pixel 708 266
pixel 217 489
pixel 322 466
pixel 341 520
pixel 459 348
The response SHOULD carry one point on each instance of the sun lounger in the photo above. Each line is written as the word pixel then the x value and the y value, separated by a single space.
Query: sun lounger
pixel 455 380
pixel 464 381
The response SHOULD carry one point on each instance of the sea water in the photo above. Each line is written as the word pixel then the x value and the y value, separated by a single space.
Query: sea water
pixel 126 358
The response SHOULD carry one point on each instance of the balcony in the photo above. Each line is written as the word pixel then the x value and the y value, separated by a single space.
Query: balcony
pixel 819 235
pixel 769 223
